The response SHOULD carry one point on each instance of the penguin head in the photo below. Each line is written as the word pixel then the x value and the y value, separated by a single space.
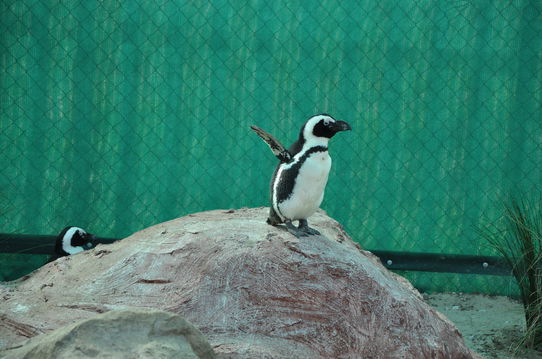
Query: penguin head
pixel 73 240
pixel 322 127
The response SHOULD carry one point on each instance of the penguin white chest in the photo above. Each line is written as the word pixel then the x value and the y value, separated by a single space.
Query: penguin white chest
pixel 308 190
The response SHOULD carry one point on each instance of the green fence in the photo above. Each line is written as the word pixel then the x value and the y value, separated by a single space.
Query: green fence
pixel 118 115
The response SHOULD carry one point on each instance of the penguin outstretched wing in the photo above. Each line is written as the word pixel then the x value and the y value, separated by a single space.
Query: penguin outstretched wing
pixel 278 149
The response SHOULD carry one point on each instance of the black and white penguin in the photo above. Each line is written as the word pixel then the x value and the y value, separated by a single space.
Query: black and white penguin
pixel 72 240
pixel 299 181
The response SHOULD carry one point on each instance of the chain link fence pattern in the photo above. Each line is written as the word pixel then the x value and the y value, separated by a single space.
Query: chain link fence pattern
pixel 119 115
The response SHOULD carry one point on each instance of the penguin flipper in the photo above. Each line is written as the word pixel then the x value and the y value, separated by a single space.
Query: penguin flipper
pixel 273 218
pixel 276 147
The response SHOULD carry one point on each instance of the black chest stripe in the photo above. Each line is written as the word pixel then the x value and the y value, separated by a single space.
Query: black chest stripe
pixel 288 176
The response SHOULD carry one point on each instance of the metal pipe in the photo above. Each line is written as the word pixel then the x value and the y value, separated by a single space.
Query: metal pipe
pixel 444 263
pixel 397 261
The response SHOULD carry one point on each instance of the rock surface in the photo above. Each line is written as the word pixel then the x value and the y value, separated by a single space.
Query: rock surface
pixel 120 334
pixel 253 290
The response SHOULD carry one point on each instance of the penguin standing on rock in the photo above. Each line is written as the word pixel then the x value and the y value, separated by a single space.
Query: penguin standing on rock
pixel 72 240
pixel 299 181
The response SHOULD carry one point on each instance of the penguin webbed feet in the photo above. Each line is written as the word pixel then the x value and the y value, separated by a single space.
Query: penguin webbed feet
pixel 295 230
pixel 304 226
pixel 303 230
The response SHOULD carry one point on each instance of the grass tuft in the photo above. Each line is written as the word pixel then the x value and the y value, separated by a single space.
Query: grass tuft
pixel 518 238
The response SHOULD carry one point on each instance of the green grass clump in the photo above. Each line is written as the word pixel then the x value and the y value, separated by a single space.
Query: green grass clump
pixel 518 238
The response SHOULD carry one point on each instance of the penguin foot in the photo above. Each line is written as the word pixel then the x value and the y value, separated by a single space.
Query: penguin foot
pixel 303 226
pixel 295 230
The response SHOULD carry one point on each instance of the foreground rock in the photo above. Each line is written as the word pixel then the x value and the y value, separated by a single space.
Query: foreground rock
pixel 120 334
pixel 253 290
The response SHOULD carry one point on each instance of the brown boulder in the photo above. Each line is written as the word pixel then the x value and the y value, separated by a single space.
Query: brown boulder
pixel 119 334
pixel 253 290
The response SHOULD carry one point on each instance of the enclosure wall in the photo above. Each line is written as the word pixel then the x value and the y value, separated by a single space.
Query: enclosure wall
pixel 117 115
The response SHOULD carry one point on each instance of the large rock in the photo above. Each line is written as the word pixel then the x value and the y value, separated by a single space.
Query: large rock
pixel 253 290
pixel 119 334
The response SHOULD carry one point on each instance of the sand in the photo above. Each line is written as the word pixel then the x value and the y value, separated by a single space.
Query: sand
pixel 492 326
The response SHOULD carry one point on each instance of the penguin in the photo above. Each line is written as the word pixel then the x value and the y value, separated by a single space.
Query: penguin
pixel 299 180
pixel 72 240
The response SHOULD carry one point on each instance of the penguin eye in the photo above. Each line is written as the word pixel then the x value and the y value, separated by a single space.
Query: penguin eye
pixel 326 122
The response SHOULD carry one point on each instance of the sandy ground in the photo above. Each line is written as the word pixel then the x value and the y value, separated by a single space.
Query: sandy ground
pixel 491 326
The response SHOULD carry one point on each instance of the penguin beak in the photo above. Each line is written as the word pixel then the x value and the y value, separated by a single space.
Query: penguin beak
pixel 341 126
pixel 91 242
